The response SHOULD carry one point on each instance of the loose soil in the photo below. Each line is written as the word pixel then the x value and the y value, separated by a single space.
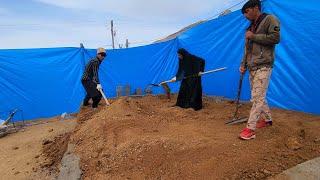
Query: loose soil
pixel 21 153
pixel 146 138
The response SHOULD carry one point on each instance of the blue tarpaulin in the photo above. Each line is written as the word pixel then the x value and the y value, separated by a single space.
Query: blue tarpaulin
pixel 295 81
pixel 46 82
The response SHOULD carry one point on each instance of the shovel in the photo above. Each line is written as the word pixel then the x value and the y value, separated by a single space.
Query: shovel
pixel 104 97
pixel 167 89
pixel 236 119
pixel 7 121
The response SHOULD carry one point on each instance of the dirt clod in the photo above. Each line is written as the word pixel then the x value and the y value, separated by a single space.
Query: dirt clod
pixel 46 141
pixel 294 144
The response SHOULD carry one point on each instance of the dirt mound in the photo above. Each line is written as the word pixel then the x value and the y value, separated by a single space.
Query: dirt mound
pixel 146 138
pixel 53 151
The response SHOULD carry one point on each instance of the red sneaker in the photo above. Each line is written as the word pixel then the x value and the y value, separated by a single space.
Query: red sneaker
pixel 247 134
pixel 263 123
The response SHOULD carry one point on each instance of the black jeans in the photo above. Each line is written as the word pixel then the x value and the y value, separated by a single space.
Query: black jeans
pixel 92 93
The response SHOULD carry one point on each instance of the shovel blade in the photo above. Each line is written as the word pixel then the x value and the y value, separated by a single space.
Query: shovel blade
pixel 157 85
pixel 237 121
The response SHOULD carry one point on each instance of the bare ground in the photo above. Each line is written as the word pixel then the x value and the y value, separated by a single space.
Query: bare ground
pixel 148 139
pixel 21 153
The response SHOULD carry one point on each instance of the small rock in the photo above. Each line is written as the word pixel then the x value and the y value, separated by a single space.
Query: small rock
pixel 46 141
pixel 95 155
pixel 50 130
pixel 266 171
pixel 37 156
pixel 17 172
pixel 13 169
pixel 302 134
pixel 34 169
pixel 15 148
pixel 317 140
pixel 293 144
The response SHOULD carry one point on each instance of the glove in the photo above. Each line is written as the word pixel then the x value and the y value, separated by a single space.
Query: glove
pixel 174 79
pixel 99 87
pixel 200 73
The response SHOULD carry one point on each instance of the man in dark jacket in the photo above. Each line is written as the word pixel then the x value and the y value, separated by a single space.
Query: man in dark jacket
pixel 190 93
pixel 261 37
pixel 90 79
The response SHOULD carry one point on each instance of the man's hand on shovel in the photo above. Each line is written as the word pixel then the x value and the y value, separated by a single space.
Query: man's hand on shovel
pixel 99 88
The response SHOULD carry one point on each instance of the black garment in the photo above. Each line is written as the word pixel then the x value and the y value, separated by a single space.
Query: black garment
pixel 91 71
pixel 89 80
pixel 92 92
pixel 190 93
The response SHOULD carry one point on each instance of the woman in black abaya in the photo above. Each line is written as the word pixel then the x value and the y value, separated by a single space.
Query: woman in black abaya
pixel 190 93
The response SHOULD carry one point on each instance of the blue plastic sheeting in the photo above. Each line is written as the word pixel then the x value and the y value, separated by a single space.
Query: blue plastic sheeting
pixel 138 67
pixel 220 42
pixel 40 82
pixel 46 82
pixel 295 81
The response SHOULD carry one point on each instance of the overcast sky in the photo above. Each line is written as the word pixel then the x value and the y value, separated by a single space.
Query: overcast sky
pixel 67 23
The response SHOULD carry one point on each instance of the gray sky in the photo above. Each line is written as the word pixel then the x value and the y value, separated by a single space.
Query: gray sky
pixel 67 23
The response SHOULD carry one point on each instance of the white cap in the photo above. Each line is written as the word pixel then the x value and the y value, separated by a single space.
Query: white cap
pixel 101 50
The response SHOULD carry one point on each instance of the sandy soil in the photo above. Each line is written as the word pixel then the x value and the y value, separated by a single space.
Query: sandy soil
pixel 148 139
pixel 20 153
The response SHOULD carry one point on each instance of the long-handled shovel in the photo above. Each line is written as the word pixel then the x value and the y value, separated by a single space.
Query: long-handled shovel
pixel 236 119
pixel 104 97
pixel 167 89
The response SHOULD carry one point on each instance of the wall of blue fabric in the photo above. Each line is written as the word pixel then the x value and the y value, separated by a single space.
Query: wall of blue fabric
pixel 46 82
pixel 295 81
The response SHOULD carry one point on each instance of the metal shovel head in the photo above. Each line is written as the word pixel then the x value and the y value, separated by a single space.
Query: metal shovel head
pixel 166 89
pixel 158 85
pixel 237 121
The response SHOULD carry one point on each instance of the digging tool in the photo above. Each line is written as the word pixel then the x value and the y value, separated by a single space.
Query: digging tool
pixel 236 119
pixel 4 128
pixel 167 89
pixel 104 97
pixel 7 121
pixel 207 72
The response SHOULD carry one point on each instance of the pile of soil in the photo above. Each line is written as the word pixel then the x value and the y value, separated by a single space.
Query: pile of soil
pixel 147 138
pixel 21 152
pixel 53 151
